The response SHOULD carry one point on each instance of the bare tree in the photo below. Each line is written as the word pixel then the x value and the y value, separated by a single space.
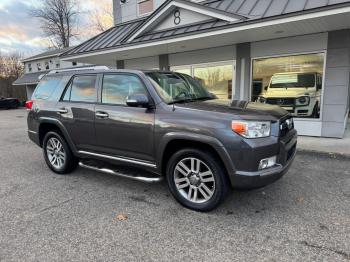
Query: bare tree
pixel 102 17
pixel 11 65
pixel 58 20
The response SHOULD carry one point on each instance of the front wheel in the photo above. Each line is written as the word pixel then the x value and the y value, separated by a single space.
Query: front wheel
pixel 57 154
pixel 197 179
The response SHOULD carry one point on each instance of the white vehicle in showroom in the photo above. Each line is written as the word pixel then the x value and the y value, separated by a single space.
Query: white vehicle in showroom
pixel 298 93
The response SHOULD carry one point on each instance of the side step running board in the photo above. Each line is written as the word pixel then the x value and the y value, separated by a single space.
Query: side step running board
pixel 150 178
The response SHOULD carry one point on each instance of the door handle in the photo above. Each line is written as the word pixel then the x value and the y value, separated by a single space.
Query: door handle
pixel 62 110
pixel 100 114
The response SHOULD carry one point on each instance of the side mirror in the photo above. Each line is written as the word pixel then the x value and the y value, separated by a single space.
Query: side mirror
pixel 265 88
pixel 138 100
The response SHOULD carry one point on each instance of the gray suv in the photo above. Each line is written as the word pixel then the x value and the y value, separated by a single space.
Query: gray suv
pixel 164 122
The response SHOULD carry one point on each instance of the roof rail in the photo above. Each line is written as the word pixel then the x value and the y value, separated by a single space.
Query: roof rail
pixel 78 69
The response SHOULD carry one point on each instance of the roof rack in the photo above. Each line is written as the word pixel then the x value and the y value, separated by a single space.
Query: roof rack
pixel 78 69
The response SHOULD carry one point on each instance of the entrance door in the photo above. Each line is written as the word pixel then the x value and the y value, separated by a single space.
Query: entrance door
pixel 124 131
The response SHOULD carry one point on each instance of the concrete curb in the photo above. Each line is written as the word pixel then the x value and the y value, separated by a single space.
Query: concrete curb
pixel 335 155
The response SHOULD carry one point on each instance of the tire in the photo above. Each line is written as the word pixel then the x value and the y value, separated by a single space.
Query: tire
pixel 200 182
pixel 315 113
pixel 65 162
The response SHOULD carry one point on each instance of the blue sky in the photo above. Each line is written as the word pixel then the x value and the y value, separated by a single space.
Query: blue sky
pixel 20 32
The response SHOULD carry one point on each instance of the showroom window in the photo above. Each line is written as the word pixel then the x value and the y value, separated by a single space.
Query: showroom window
pixel 293 82
pixel 216 77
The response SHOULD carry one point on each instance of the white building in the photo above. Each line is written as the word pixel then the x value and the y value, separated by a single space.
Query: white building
pixel 40 64
pixel 235 47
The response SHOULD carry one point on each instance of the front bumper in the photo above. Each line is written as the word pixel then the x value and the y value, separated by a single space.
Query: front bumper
pixel 260 178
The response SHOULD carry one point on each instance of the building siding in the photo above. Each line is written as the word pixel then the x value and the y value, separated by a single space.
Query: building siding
pixel 336 86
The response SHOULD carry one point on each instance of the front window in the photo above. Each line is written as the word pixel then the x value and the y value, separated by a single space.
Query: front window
pixel 177 88
pixel 117 87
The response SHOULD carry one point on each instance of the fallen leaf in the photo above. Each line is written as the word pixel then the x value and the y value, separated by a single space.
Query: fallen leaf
pixel 300 200
pixel 121 217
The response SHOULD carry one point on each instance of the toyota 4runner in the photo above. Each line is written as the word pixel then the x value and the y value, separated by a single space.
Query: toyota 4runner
pixel 165 122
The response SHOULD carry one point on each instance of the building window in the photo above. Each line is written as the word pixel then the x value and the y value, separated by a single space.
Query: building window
pixel 74 63
pixel 47 67
pixel 216 77
pixel 38 65
pixel 144 7
pixel 292 82
pixel 58 65
pixel 30 68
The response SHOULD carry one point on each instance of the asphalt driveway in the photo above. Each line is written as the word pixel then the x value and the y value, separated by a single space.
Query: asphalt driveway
pixel 44 217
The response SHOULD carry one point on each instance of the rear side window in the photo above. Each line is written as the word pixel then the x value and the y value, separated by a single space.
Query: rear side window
pixel 116 88
pixel 46 87
pixel 81 89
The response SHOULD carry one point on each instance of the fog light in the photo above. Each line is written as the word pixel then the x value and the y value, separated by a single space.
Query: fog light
pixel 267 162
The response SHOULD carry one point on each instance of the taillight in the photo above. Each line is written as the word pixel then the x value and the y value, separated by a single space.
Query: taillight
pixel 29 104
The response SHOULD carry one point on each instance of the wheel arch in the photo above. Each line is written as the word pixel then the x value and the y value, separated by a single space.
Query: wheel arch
pixel 173 142
pixel 50 124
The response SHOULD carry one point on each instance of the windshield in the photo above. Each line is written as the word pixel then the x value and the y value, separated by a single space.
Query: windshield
pixel 176 88
pixel 292 80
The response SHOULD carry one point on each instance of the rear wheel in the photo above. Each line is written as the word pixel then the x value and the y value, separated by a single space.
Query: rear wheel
pixel 196 179
pixel 57 154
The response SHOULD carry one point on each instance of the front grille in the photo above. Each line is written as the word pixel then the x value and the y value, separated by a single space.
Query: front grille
pixel 289 101
pixel 286 125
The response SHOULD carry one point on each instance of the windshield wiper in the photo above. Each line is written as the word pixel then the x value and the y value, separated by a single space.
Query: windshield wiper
pixel 190 100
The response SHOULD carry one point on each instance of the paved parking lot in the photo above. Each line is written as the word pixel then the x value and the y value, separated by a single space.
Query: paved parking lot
pixel 44 217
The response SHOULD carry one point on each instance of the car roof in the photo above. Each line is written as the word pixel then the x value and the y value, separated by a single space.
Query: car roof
pixel 63 72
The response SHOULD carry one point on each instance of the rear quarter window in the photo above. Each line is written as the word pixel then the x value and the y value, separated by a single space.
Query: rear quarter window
pixel 46 88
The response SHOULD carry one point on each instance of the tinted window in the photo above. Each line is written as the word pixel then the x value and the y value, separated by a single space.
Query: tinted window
pixel 83 89
pixel 46 87
pixel 116 88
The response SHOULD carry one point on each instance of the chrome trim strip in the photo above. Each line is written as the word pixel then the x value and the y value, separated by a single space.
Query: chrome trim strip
pixel 128 160
pixel 110 171
pixel 33 132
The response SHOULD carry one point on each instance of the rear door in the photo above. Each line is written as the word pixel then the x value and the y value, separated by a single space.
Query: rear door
pixel 123 131
pixel 77 110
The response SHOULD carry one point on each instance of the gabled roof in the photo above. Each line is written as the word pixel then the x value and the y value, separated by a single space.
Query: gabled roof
pixel 171 5
pixel 47 54
pixel 244 11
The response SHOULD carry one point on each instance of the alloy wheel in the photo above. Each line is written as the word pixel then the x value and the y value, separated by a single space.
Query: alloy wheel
pixel 194 180
pixel 55 153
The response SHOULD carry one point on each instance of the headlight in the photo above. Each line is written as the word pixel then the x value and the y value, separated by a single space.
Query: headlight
pixel 303 100
pixel 251 129
pixel 261 99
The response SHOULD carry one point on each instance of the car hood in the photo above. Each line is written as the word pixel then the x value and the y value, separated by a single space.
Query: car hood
pixel 241 109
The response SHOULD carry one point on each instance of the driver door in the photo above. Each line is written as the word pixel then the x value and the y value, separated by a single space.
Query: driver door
pixel 121 130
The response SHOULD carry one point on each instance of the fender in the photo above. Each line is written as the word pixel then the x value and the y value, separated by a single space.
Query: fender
pixel 211 141
pixel 63 130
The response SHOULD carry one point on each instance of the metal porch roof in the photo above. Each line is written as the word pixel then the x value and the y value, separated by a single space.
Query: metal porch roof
pixel 254 10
